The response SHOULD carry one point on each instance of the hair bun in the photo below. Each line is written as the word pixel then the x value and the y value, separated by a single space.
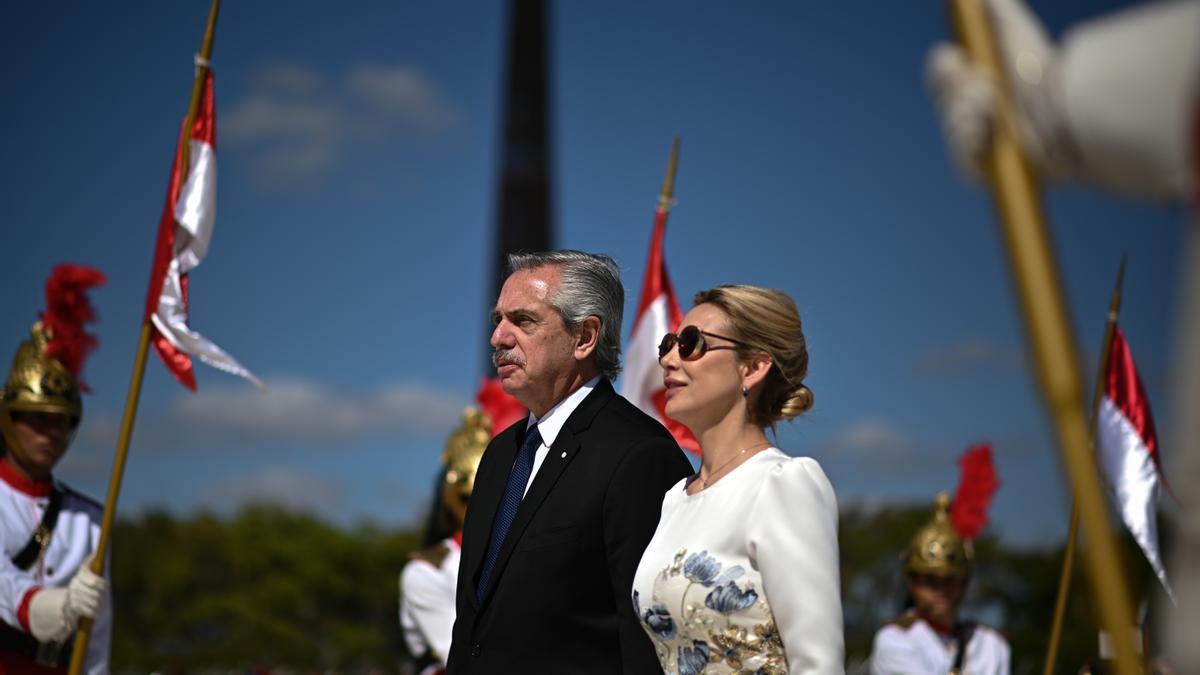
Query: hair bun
pixel 799 402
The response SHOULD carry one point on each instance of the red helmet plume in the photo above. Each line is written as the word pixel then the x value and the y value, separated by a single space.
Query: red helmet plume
pixel 977 485
pixel 68 310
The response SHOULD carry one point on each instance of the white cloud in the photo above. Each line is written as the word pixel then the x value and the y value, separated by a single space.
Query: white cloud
pixel 402 93
pixel 276 486
pixel 869 438
pixel 298 126
pixel 286 77
pixel 969 355
pixel 268 117
pixel 292 411
pixel 870 449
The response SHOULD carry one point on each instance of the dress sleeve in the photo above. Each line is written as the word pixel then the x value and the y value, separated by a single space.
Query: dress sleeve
pixel 792 539
pixel 430 602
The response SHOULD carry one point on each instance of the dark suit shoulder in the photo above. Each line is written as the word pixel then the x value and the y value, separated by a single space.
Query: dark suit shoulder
pixel 507 438
pixel 638 441
pixel 513 428
pixel 630 419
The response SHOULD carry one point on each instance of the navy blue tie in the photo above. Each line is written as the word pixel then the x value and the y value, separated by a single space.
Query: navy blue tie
pixel 507 510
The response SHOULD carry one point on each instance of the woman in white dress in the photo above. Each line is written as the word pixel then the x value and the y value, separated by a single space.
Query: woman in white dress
pixel 742 573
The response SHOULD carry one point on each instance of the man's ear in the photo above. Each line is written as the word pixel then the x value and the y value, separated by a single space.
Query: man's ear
pixel 587 336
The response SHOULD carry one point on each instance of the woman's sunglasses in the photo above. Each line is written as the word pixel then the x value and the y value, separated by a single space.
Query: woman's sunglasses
pixel 692 344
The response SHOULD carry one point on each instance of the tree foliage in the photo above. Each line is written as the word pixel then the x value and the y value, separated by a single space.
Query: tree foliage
pixel 273 590
pixel 268 589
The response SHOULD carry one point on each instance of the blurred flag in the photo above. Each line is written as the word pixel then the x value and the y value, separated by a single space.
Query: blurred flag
pixel 658 313
pixel 184 232
pixel 500 406
pixel 1127 450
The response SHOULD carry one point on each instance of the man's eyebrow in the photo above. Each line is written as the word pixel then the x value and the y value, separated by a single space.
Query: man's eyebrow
pixel 514 314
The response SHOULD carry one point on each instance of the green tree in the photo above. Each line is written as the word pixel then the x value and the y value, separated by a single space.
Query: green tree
pixel 267 589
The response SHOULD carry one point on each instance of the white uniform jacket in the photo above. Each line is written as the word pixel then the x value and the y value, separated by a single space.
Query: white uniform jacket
pixel 427 587
pixel 910 646
pixel 22 503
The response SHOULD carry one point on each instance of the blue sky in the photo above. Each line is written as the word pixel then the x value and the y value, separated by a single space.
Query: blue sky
pixel 358 159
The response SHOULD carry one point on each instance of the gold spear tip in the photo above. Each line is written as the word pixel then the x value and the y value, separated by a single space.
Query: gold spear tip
pixel 668 188
pixel 1114 305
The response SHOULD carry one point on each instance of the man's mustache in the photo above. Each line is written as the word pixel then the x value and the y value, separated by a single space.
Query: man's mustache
pixel 503 357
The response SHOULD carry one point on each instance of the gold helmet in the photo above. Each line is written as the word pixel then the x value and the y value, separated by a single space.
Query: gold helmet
pixel 45 374
pixel 38 382
pixel 464 448
pixel 937 548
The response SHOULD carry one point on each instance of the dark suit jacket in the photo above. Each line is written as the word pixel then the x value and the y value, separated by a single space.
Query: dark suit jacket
pixel 559 596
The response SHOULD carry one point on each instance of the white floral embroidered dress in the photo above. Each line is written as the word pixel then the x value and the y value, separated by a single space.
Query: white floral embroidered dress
pixel 742 577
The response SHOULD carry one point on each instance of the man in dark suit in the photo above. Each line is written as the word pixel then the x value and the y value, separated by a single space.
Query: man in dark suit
pixel 566 500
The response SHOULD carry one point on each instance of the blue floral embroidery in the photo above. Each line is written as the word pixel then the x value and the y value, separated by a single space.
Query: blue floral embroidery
pixel 657 619
pixel 733 647
pixel 701 568
pixel 728 598
pixel 693 660
pixel 729 575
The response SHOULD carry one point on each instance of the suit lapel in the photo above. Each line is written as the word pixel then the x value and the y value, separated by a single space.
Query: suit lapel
pixel 566 446
pixel 485 499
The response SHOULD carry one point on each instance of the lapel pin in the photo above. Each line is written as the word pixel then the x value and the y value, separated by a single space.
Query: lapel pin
pixel 564 455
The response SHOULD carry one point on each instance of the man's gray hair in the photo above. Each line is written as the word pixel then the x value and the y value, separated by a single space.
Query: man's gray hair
pixel 589 284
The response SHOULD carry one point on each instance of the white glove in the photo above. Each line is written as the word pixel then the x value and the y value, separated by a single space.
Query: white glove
pixel 966 96
pixel 54 613
pixel 85 592
pixel 47 615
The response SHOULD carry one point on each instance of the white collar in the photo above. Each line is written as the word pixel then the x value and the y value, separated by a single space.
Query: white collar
pixel 554 419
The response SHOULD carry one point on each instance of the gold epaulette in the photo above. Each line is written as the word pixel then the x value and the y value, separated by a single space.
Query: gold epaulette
pixel 905 620
pixel 434 555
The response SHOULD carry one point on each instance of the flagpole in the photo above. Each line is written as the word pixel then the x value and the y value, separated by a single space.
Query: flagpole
pixel 666 197
pixel 1064 583
pixel 83 635
pixel 1056 361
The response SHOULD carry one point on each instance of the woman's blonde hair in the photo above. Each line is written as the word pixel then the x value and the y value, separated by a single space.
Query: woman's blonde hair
pixel 767 321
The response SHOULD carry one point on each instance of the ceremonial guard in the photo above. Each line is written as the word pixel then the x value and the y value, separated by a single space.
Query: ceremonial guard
pixel 48 531
pixel 1114 103
pixel 931 638
pixel 429 581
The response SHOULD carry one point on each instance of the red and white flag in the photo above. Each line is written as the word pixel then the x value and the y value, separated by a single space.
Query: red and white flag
pixel 1127 451
pixel 658 312
pixel 184 232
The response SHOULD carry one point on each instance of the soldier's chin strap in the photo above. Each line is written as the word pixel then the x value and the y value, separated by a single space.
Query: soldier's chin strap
pixel 6 428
